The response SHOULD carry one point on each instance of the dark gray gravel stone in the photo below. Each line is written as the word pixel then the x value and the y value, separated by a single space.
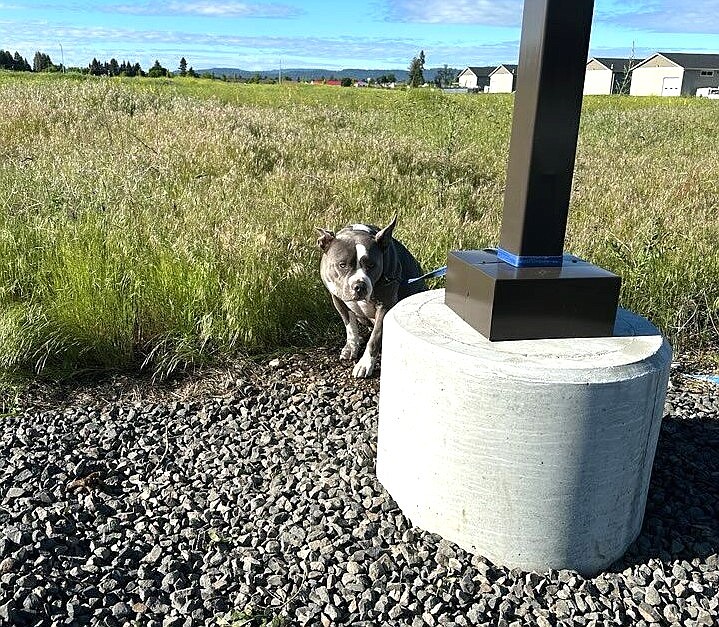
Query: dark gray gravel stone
pixel 251 492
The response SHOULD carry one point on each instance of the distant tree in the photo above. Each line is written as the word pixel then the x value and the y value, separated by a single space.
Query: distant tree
pixel 156 71
pixel 191 73
pixel 21 63
pixel 386 78
pixel 445 76
pixel 416 70
pixel 346 82
pixel 113 68
pixel 183 67
pixel 6 60
pixel 42 63
pixel 13 62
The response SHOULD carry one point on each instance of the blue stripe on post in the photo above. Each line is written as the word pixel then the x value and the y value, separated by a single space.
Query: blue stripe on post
pixel 525 261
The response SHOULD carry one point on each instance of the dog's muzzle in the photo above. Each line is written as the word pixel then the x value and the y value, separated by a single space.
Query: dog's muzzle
pixel 359 290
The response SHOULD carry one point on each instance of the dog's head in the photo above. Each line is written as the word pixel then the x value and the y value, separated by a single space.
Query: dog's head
pixel 353 259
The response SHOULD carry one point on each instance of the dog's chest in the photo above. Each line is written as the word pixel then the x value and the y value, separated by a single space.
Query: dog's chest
pixel 362 309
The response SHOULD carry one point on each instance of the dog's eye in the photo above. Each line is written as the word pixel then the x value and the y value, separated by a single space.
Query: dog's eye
pixel 342 264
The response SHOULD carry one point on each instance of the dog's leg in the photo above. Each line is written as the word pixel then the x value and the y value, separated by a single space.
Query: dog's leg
pixel 365 366
pixel 352 346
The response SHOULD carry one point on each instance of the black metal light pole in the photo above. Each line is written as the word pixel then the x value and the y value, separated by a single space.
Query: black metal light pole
pixel 529 288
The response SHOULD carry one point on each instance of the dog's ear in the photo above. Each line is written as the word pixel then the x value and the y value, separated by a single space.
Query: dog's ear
pixel 325 239
pixel 384 237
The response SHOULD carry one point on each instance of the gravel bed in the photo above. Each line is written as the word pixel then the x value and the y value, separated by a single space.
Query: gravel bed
pixel 249 497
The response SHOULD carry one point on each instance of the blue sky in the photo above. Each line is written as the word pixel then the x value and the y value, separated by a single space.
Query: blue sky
pixel 383 34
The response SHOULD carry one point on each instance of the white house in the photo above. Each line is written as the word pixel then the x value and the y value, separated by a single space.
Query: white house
pixel 503 79
pixel 475 77
pixel 674 74
pixel 607 75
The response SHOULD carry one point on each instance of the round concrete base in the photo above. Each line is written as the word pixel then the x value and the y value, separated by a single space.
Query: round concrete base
pixel 535 453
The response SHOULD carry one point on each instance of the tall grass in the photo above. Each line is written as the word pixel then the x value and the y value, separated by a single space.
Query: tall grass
pixel 167 223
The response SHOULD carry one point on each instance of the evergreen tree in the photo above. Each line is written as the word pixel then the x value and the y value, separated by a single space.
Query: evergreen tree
pixel 20 63
pixel 157 70
pixel 445 76
pixel 416 70
pixel 191 73
pixel 41 62
pixel 113 68
pixel 183 67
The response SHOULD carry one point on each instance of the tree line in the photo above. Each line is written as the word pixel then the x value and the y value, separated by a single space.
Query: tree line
pixel 43 63
pixel 9 61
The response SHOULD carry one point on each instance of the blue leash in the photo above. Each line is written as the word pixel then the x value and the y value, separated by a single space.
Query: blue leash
pixel 430 275
pixel 439 271
pixel 704 377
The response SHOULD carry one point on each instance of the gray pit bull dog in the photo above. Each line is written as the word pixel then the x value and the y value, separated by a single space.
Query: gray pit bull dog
pixel 366 271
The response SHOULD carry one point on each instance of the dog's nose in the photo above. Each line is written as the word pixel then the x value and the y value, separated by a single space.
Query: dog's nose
pixel 359 288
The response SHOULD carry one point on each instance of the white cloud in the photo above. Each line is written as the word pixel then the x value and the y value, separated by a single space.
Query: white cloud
pixel 487 12
pixel 663 16
pixel 168 8
pixel 207 50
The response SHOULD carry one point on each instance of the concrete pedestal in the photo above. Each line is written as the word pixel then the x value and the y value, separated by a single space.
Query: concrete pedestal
pixel 535 453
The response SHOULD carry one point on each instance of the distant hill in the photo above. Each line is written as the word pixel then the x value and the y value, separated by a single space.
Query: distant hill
pixel 307 74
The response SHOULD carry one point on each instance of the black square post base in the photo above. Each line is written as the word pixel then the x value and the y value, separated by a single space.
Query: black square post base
pixel 502 302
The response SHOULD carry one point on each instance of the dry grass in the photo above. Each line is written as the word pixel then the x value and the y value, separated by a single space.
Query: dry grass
pixel 169 223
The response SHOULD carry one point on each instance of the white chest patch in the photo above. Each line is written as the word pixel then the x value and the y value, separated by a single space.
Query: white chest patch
pixel 362 308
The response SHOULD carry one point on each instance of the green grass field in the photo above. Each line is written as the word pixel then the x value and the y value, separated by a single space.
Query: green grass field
pixel 168 223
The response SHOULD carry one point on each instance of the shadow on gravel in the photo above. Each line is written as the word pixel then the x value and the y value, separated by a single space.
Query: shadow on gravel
pixel 682 515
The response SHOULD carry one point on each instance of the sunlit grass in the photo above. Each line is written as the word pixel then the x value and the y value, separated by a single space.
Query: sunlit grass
pixel 171 222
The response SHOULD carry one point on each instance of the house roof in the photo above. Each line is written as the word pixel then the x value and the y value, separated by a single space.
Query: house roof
pixel 687 60
pixel 479 71
pixel 507 66
pixel 618 64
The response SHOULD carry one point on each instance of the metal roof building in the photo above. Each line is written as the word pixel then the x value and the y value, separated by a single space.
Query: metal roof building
pixel 674 74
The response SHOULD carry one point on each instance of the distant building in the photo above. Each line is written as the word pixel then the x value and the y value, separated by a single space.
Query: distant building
pixel 674 74
pixel 607 75
pixel 475 77
pixel 503 79
pixel 329 81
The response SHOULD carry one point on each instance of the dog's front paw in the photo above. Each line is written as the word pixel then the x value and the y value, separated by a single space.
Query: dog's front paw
pixel 364 367
pixel 350 351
